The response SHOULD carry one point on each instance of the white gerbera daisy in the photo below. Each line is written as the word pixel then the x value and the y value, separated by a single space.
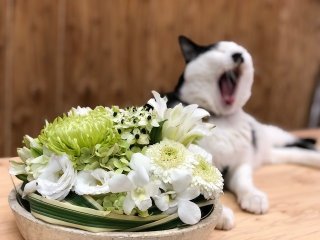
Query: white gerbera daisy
pixel 169 159
pixel 207 178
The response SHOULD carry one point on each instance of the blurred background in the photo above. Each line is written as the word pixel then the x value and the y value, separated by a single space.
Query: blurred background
pixel 55 54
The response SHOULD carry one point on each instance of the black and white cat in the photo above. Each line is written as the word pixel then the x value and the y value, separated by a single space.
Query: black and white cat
pixel 218 78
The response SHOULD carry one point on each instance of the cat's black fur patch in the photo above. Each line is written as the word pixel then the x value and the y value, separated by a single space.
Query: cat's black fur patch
pixel 191 50
pixel 224 173
pixel 180 83
pixel 174 99
pixel 305 143
pixel 253 138
pixel 237 57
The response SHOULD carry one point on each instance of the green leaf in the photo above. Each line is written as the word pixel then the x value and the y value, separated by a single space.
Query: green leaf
pixel 89 219
pixel 156 134
pixel 82 212
pixel 82 201
pixel 173 221
pixel 22 177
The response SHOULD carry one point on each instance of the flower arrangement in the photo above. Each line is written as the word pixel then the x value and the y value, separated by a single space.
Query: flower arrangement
pixel 113 169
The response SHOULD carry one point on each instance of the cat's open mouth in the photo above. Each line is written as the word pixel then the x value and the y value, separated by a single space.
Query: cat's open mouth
pixel 227 84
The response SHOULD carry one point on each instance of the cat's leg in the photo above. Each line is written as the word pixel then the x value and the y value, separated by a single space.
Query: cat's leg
pixel 239 181
pixel 226 220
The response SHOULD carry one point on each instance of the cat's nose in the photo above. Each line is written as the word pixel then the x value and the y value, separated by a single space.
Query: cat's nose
pixel 237 57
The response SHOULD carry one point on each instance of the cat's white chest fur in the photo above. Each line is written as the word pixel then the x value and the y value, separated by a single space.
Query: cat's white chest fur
pixel 234 138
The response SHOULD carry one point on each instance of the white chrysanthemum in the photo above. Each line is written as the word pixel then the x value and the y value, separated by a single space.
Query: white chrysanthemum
pixel 207 178
pixel 169 159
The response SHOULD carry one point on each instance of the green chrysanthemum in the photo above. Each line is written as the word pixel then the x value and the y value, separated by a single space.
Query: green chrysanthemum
pixel 76 134
pixel 207 178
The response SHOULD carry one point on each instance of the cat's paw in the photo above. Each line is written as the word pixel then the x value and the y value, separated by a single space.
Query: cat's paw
pixel 254 202
pixel 226 220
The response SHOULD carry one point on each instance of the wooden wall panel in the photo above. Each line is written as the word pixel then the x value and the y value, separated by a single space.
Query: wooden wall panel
pixel 139 39
pixel 297 61
pixel 286 62
pixel 96 65
pixel 3 12
pixel 34 45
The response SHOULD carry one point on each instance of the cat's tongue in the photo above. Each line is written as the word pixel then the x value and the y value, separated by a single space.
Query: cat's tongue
pixel 227 88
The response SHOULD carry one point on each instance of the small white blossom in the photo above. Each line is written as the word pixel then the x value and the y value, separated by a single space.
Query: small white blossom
pixel 136 136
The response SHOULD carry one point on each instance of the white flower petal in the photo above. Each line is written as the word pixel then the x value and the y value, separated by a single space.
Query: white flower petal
pixel 162 202
pixel 128 204
pixel 144 204
pixel 101 175
pixel 80 111
pixel 30 187
pixel 57 178
pixel 92 182
pixel 159 104
pixel 152 188
pixel 181 179
pixel 171 210
pixel 197 150
pixel 24 153
pixel 189 212
pixel 17 168
pixel 189 193
pixel 140 165
pixel 120 183
pixel 139 160
pixel 200 113
pixel 184 124
pixel 139 178
pixel 59 195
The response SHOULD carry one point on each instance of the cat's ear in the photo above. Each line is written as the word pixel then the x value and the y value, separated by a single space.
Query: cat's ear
pixel 190 50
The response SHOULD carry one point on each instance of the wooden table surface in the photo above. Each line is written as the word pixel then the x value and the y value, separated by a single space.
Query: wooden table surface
pixel 294 196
